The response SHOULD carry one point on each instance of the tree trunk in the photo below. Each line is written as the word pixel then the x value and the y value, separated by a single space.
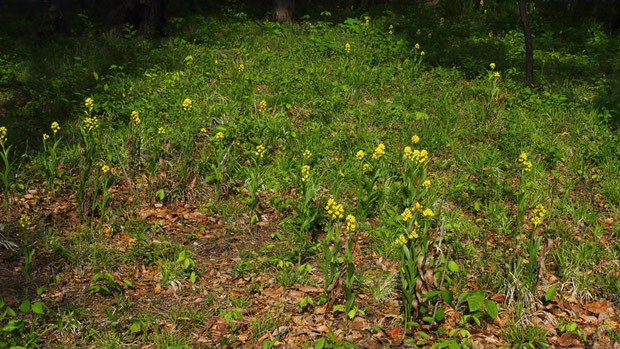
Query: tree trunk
pixel 529 50
pixel 283 10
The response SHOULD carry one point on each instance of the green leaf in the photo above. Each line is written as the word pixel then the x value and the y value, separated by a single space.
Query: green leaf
pixel 475 300
pixel 550 294
pixel 351 313
pixel 25 306
pixel 96 75
pixel 37 308
pixel 320 344
pixel 192 277
pixel 441 313
pixel 492 308
pixel 453 267
pixel 447 296
pixel 135 327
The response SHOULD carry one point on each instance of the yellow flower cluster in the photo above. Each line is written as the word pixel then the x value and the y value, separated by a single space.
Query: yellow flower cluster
pixel 422 53
pixel 307 154
pixel 305 173
pixel 496 74
pixel 360 155
pixel 203 130
pixel 334 209
pixel 55 127
pixel 351 223
pixel 347 47
pixel 527 166
pixel 260 150
pixel 415 155
pixel 3 132
pixel 426 183
pixel 45 137
pixel 365 167
pixel 220 135
pixel 262 105
pixel 24 221
pixel 135 118
pixel 415 139
pixel 406 215
pixel 416 206
pixel 161 131
pixel 492 65
pixel 538 213
pixel 428 213
pixel 403 239
pixel 187 104
pixel 391 29
pixel 89 103
pixel 379 151
pixel 241 67
pixel 105 168
pixel 91 123
pixel 417 46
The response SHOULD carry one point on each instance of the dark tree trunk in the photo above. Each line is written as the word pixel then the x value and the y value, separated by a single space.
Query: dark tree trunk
pixel 147 16
pixel 283 10
pixel 529 50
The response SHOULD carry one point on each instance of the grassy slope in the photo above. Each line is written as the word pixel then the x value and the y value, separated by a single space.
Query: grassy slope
pixel 333 103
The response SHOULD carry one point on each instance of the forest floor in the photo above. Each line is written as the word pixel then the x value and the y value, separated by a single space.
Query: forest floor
pixel 356 183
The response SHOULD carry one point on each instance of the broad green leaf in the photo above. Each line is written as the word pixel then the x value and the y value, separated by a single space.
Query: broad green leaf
pixel 453 267
pixel 475 300
pixel 25 306
pixel 492 308
pixel 135 327
pixel 550 294
pixel 37 308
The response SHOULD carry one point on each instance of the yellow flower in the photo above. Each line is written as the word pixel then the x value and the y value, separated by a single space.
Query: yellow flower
pixel 539 210
pixel 55 127
pixel 187 104
pixel 341 174
pixel 481 2
pixel 441 20
pixel 220 135
pixel 406 215
pixel 203 130
pixel 260 150
pixel 422 53
pixel 161 131
pixel 536 221
pixel 415 139
pixel 379 151
pixel 417 46
pixel 522 157
pixel 365 167
pixel 419 31
pixel 430 35
pixel 24 221
pixel 391 29
pixel 413 235
pixel 402 239
pixel 492 65
pixel 360 155
pixel 45 136
pixel 105 168
pixel 262 105
pixel 241 67
pixel 428 213
pixel 307 154
pixel 416 206
pixel 3 132
pixel 136 117
pixel 347 47
pixel 527 166
pixel 91 123
pixel 89 103
pixel 351 223
pixel 497 75
pixel 305 173
pixel 426 183
pixel 334 209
